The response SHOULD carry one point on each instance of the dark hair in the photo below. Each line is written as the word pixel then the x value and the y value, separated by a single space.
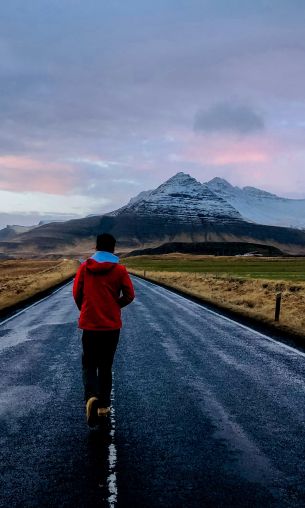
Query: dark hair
pixel 105 242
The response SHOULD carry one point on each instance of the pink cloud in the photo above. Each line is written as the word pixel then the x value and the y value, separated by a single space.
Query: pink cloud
pixel 240 157
pixel 271 161
pixel 25 174
pixel 217 150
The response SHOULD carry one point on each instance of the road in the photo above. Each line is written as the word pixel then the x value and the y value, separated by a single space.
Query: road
pixel 206 412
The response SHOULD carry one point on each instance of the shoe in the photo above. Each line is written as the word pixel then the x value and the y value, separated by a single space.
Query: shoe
pixel 103 411
pixel 91 411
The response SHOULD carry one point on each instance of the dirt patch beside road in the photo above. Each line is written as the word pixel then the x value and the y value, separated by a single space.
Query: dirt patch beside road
pixel 22 279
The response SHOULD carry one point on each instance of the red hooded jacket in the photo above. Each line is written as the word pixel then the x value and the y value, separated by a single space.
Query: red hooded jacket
pixel 101 288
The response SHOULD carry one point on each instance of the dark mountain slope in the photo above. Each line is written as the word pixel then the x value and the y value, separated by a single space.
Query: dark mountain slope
pixel 209 248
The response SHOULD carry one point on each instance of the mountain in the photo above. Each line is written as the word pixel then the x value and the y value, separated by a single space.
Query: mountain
pixel 181 198
pixel 179 210
pixel 10 231
pixel 259 206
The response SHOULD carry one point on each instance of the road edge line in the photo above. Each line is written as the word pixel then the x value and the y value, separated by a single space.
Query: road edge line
pixel 50 291
pixel 292 341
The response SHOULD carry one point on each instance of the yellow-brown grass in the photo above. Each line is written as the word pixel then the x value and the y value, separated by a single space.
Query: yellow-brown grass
pixel 253 298
pixel 22 279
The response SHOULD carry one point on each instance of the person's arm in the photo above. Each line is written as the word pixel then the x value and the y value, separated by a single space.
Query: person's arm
pixel 78 286
pixel 127 289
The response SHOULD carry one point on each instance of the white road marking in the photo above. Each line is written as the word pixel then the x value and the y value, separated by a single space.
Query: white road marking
pixel 112 461
pixel 112 452
pixel 225 318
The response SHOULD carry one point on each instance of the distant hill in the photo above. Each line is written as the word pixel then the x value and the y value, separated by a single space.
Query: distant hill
pixel 11 231
pixel 210 248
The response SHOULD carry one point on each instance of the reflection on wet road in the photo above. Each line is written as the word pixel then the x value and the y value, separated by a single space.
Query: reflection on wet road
pixel 48 456
pixel 206 412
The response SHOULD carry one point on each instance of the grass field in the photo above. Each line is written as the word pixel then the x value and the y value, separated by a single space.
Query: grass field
pixel 22 279
pixel 246 267
pixel 247 286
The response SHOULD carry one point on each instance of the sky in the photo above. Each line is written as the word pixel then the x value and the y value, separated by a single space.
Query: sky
pixel 103 99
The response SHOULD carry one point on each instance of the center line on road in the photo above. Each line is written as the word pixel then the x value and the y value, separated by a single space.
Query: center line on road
pixel 112 460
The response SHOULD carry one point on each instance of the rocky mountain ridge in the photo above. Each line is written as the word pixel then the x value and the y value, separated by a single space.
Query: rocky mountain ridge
pixel 181 197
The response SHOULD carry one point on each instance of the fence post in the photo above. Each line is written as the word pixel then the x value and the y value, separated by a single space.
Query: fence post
pixel 278 301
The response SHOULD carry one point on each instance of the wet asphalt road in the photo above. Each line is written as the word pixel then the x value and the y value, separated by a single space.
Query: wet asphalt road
pixel 206 411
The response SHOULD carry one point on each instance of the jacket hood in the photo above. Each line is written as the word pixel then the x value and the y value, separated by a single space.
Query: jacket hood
pixel 102 262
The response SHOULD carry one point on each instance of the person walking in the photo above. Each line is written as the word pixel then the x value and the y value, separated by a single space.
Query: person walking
pixel 102 287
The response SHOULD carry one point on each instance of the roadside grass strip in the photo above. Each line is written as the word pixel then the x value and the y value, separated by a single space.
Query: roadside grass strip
pixel 247 292
pixel 252 268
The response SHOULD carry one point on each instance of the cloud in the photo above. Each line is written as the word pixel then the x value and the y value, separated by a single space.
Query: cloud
pixel 245 152
pixel 21 174
pixel 240 119
pixel 92 95
pixel 104 164
pixel 50 204
pixel 32 218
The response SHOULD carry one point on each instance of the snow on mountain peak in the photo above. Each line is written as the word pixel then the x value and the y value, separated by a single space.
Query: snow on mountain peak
pixel 181 178
pixel 220 183
pixel 182 198
pixel 262 207
pixel 139 197
pixel 253 191
pixel 181 182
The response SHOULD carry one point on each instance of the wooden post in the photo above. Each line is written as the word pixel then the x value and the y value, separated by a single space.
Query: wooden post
pixel 144 273
pixel 278 301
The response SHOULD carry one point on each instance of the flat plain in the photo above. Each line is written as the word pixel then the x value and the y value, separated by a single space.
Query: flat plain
pixel 288 268
pixel 245 285
pixel 21 279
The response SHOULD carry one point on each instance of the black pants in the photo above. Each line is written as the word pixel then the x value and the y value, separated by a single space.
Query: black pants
pixel 98 352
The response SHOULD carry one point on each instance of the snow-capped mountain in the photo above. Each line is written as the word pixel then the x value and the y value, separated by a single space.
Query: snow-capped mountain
pixel 139 197
pixel 256 205
pixel 180 210
pixel 182 198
